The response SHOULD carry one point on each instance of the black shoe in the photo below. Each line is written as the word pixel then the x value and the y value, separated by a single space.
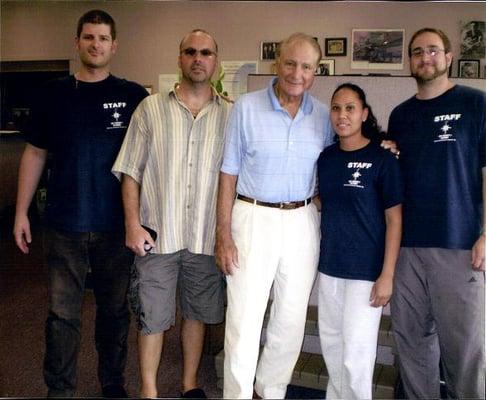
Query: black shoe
pixel 114 392
pixel 196 393
pixel 64 393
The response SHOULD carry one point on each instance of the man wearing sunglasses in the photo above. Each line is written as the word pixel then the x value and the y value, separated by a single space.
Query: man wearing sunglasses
pixel 169 167
pixel 438 305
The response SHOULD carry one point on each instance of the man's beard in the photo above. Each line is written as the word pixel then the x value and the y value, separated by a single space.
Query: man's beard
pixel 425 78
pixel 196 78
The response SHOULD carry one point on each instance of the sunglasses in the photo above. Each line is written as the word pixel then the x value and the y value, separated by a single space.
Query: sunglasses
pixel 191 52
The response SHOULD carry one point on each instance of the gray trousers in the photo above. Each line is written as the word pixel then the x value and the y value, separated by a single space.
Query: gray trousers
pixel 438 316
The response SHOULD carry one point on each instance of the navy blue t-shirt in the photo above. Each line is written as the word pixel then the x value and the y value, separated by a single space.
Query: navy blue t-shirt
pixel 356 187
pixel 443 148
pixel 82 125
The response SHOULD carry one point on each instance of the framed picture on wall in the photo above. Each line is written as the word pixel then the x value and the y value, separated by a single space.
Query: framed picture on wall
pixel 268 51
pixel 473 44
pixel 326 67
pixel 377 48
pixel 335 46
pixel 468 68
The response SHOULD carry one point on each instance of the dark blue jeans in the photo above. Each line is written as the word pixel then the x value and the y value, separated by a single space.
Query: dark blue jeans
pixel 69 257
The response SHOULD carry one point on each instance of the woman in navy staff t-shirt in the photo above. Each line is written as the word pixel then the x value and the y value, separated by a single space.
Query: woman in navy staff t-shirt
pixel 361 194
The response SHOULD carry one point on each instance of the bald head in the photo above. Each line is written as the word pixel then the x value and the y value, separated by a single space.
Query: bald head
pixel 197 32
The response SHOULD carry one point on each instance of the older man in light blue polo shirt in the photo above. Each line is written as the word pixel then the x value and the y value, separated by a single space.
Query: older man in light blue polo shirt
pixel 269 235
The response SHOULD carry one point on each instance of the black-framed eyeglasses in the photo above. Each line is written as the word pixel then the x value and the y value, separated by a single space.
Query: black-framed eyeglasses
pixel 431 51
pixel 191 52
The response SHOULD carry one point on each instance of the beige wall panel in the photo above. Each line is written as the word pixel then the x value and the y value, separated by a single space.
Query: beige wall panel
pixel 149 31
pixel 383 93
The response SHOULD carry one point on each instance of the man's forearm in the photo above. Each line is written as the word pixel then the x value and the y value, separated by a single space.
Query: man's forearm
pixel 30 170
pixel 226 198
pixel 225 250
pixel 131 201
pixel 393 237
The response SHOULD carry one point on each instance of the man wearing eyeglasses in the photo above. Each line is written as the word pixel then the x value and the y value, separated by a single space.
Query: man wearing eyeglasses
pixel 438 309
pixel 169 165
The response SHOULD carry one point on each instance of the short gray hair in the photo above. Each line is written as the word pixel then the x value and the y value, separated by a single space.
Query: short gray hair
pixel 299 37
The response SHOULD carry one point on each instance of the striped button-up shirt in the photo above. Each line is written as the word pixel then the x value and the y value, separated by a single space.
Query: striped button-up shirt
pixel 176 160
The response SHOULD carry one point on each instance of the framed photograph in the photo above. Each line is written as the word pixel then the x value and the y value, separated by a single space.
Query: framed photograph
pixel 335 46
pixel 473 44
pixel 468 68
pixel 268 50
pixel 377 48
pixel 325 67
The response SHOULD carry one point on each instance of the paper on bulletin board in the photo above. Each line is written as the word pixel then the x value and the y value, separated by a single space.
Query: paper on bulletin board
pixel 167 82
pixel 235 80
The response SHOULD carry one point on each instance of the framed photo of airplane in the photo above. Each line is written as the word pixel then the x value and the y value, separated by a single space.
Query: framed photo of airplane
pixel 377 49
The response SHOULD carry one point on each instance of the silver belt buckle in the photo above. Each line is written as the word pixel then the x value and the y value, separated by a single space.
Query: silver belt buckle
pixel 285 204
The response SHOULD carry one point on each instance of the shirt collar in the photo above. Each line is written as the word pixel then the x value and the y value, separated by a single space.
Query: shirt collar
pixel 216 96
pixel 306 105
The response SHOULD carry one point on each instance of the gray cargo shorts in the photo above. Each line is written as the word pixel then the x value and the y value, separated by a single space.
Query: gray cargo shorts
pixel 155 279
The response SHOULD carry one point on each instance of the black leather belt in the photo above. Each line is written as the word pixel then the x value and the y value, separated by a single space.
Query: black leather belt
pixel 288 205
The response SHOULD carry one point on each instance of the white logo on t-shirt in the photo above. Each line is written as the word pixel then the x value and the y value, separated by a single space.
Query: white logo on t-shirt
pixel 446 136
pixel 115 124
pixel 354 181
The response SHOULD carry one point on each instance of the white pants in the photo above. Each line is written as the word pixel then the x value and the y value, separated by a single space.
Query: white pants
pixel 348 330
pixel 279 247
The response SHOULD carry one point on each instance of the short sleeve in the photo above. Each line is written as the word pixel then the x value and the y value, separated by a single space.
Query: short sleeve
pixel 329 132
pixel 139 93
pixel 132 158
pixel 392 126
pixel 37 129
pixel 391 181
pixel 233 144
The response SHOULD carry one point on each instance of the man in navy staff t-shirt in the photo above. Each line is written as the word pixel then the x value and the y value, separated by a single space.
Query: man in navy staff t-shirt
pixel 81 121
pixel 438 302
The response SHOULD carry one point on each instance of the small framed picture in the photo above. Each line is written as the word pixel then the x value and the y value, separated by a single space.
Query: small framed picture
pixel 325 67
pixel 468 68
pixel 335 46
pixel 268 51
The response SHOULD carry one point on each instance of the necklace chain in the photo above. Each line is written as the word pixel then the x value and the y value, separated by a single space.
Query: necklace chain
pixel 194 110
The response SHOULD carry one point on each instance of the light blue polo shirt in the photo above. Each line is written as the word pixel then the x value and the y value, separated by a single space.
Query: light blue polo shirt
pixel 273 154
